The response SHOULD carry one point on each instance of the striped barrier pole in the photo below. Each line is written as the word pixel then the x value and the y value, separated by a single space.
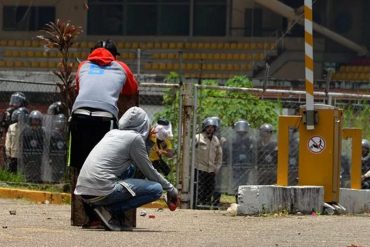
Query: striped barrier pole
pixel 308 60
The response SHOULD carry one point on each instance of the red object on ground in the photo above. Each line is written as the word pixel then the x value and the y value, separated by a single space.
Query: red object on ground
pixel 172 206
pixel 151 216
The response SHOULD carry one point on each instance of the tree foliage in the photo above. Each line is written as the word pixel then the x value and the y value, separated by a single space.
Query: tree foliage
pixel 61 35
pixel 229 106
pixel 358 116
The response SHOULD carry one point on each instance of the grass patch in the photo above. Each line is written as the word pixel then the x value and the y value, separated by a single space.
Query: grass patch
pixel 8 179
pixel 227 199
pixel 11 177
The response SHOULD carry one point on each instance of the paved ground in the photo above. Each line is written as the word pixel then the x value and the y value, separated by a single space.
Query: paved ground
pixel 49 225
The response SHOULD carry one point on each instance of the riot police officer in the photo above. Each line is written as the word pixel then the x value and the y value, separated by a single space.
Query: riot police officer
pixel 266 155
pixel 220 175
pixel 12 137
pixel 33 146
pixel 17 99
pixel 57 149
pixel 56 108
pixel 243 155
pixel 365 144
pixel 208 159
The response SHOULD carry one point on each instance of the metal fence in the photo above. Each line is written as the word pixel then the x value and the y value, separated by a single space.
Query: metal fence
pixel 248 158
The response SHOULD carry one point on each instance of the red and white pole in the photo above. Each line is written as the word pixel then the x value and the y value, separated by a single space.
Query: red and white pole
pixel 308 60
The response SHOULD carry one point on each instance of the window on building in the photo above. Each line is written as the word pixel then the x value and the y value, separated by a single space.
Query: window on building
pixel 174 20
pixel 138 17
pixel 253 22
pixel 210 18
pixel 105 19
pixel 156 17
pixel 142 19
pixel 27 18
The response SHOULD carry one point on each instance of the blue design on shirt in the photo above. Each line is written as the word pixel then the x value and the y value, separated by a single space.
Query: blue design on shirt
pixel 95 69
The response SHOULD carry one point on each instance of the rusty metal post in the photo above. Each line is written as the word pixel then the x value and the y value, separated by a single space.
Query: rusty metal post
pixel 186 134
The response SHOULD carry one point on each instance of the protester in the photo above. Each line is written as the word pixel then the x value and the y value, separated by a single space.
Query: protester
pixel 161 146
pixel 106 88
pixel 100 182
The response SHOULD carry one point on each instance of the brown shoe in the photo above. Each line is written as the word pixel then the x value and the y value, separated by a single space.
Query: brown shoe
pixel 93 224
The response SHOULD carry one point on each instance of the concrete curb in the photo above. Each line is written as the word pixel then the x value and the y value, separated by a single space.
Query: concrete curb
pixel 54 197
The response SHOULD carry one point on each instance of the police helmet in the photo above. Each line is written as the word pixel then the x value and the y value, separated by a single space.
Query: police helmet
pixel 19 114
pixel 56 108
pixel 8 115
pixel 365 144
pixel 18 99
pixel 218 122
pixel 267 128
pixel 35 118
pixel 210 121
pixel 107 44
pixel 241 126
pixel 60 121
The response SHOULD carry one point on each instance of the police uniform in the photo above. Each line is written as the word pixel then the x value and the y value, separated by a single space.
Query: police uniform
pixel 208 161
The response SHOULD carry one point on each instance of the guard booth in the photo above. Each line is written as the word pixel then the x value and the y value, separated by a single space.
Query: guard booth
pixel 319 150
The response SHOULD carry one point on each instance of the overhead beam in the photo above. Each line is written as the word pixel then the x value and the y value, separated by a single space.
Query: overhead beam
pixel 289 13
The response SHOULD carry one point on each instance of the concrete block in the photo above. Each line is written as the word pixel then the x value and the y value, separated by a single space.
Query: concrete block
pixel 256 199
pixel 355 201
pixel 306 198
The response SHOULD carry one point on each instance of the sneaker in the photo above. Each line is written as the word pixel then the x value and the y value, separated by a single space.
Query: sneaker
pixel 111 223
pixel 121 223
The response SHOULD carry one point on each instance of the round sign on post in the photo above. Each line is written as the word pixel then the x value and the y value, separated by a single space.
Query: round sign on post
pixel 316 144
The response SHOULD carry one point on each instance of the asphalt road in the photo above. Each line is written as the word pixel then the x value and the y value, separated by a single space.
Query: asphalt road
pixel 27 224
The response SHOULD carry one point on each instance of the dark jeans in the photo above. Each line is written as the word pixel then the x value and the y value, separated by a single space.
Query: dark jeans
pixel 12 166
pixel 122 200
pixel 204 187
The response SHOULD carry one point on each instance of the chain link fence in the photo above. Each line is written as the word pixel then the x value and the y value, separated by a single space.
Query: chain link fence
pixel 249 156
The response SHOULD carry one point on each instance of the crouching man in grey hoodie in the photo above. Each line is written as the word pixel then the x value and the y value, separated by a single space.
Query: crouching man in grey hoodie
pixel 100 182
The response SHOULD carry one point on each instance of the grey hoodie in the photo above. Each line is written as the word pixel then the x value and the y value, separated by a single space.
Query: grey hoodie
pixel 117 150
